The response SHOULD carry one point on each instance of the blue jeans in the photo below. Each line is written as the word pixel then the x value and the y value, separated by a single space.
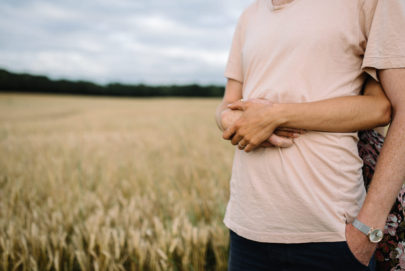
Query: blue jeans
pixel 248 255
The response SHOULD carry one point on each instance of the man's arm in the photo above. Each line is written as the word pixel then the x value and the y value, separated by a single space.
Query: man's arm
pixel 390 169
pixel 233 93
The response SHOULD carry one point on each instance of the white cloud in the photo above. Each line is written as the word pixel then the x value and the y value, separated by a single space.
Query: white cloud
pixel 149 41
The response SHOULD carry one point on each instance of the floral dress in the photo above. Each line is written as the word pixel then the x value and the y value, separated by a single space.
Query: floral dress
pixel 390 252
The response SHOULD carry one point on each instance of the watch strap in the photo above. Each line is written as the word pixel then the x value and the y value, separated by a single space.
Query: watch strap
pixel 361 227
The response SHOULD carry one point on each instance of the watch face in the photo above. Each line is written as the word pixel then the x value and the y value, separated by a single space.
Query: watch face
pixel 376 236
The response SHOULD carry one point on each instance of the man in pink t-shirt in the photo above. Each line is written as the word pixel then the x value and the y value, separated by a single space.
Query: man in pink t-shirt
pixel 310 196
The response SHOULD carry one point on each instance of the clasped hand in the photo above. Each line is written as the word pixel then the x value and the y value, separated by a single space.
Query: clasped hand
pixel 257 126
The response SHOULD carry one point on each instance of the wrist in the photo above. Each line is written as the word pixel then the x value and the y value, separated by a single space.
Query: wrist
pixel 373 234
pixel 375 208
pixel 371 219
pixel 280 114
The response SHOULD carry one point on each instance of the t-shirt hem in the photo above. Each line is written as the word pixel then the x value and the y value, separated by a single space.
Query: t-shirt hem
pixel 373 63
pixel 285 237
pixel 234 76
pixel 384 62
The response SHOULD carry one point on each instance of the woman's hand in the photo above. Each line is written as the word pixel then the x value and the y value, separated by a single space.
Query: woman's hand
pixel 282 137
pixel 254 126
pixel 231 115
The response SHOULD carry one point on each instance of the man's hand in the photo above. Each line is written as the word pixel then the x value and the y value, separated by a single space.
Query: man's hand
pixel 359 244
pixel 254 126
pixel 229 117
pixel 280 138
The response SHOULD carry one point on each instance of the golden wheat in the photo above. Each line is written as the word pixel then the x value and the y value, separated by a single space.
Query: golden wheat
pixel 112 184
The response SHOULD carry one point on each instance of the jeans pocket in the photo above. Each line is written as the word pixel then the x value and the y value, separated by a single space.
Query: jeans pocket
pixel 352 256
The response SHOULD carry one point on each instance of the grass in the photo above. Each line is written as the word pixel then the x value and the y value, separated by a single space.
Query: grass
pixel 112 184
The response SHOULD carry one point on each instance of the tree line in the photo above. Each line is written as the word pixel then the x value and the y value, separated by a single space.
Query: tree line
pixel 23 82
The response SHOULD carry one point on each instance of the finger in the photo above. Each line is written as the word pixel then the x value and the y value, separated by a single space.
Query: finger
pixel 250 147
pixel 293 130
pixel 266 144
pixel 284 133
pixel 258 100
pixel 236 138
pixel 287 134
pixel 238 105
pixel 242 144
pixel 287 129
pixel 252 144
pixel 279 141
pixel 228 133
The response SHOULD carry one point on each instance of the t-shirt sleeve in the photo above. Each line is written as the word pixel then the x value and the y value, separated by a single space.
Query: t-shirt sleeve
pixel 234 69
pixel 384 32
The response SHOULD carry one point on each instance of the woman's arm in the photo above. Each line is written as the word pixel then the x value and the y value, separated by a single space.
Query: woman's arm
pixel 226 117
pixel 343 114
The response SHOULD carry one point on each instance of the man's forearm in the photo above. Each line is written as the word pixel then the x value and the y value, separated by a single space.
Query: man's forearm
pixel 390 170
pixel 388 177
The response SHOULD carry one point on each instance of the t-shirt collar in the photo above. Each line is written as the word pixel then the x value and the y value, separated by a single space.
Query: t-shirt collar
pixel 278 7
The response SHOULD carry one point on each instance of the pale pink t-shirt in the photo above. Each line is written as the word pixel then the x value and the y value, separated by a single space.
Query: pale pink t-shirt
pixel 303 51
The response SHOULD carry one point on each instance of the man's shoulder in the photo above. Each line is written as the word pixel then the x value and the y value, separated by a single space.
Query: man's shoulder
pixel 250 10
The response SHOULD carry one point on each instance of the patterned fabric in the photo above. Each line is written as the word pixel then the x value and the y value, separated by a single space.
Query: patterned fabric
pixel 390 253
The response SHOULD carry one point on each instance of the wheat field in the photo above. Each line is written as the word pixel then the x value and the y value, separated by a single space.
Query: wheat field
pixel 93 183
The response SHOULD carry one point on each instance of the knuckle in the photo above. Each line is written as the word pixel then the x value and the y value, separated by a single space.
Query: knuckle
pixel 254 142
pixel 228 133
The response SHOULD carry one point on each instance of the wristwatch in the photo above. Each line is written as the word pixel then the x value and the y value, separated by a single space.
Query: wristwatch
pixel 375 235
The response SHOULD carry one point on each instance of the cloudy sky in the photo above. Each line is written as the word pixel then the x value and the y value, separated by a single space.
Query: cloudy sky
pixel 128 41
